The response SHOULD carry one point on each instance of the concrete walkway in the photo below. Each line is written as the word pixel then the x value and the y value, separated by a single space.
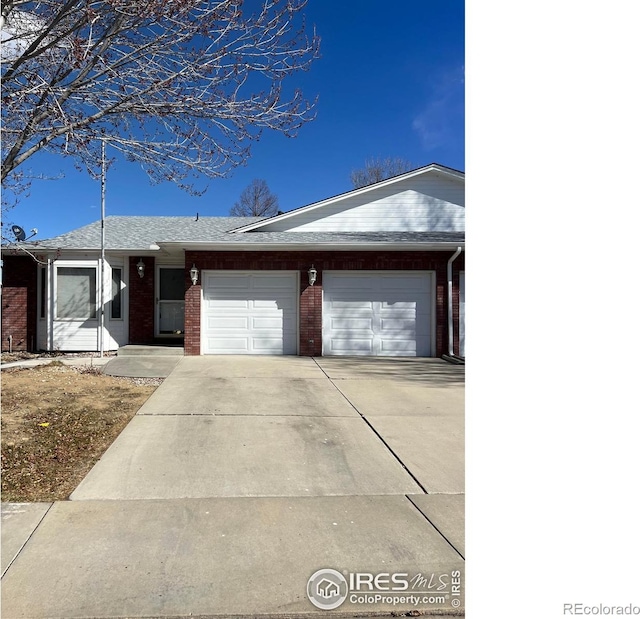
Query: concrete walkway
pixel 242 476
pixel 98 362
pixel 144 361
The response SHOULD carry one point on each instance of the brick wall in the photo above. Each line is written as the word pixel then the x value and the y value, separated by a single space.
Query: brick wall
pixel 310 316
pixel 311 296
pixel 19 302
pixel 192 297
pixel 141 301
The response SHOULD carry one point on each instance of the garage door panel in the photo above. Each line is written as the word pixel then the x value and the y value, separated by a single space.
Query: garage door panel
pixel 377 313
pixel 265 304
pixel 250 313
pixel 351 324
pixel 272 347
pixel 394 348
pixel 400 303
pixel 351 304
pixel 222 345
pixel 266 322
pixel 237 282
pixel 352 346
pixel 229 304
pixel 225 323
pixel 281 303
pixel 397 282
pixel 395 325
pixel 272 282
pixel 400 312
pixel 351 283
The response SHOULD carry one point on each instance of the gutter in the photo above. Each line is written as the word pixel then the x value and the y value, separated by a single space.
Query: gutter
pixel 301 246
pixel 451 358
pixel 169 246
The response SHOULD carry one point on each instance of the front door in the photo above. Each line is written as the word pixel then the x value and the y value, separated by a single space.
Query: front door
pixel 170 302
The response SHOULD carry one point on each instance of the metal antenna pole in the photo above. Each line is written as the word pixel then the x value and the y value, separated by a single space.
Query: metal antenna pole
pixel 103 184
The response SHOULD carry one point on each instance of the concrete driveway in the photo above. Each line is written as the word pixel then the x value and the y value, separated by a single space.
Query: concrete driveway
pixel 242 476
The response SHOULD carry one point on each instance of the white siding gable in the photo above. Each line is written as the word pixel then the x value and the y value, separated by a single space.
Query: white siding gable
pixel 423 203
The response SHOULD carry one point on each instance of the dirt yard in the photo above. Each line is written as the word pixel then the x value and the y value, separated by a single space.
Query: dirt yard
pixel 56 423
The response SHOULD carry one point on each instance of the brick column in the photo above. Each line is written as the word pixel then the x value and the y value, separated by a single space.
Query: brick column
pixel 310 316
pixel 141 301
pixel 192 310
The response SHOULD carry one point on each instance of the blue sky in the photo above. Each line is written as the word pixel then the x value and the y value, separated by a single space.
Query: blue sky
pixel 390 84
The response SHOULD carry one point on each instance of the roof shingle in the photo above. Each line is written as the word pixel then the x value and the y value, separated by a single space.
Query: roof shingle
pixel 139 233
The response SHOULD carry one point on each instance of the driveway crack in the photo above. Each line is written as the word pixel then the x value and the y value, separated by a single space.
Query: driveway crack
pixel 393 453
pixel 434 526
pixel 6 569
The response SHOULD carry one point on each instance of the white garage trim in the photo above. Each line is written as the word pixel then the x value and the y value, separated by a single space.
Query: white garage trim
pixel 250 312
pixel 378 313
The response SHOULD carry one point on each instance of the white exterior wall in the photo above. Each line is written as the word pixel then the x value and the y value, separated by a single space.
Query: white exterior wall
pixel 430 202
pixel 117 330
pixel 41 329
pixel 83 334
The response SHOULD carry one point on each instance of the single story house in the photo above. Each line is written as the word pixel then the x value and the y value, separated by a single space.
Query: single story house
pixel 377 271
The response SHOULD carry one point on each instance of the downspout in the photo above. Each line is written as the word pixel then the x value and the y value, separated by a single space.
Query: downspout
pixel 451 357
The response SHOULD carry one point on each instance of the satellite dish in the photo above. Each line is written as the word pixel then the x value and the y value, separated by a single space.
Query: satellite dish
pixel 18 232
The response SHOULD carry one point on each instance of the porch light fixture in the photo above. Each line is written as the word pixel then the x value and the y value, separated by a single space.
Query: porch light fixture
pixel 313 275
pixel 140 267
pixel 194 274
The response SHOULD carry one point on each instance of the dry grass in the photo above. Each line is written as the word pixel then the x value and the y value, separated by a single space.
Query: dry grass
pixel 57 421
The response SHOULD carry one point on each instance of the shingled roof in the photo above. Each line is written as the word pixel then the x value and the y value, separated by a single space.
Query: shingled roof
pixel 145 233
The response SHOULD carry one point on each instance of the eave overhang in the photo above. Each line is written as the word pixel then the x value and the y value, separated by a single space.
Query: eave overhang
pixel 373 246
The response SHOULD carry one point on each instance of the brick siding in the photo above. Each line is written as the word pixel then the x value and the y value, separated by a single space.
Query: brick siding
pixel 311 296
pixel 192 316
pixel 141 301
pixel 19 294
pixel 19 302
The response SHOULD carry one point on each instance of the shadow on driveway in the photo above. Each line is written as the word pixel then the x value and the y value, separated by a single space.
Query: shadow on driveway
pixel 436 372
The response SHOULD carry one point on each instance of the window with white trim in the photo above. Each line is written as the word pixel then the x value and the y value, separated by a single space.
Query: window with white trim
pixel 76 293
pixel 116 293
pixel 43 292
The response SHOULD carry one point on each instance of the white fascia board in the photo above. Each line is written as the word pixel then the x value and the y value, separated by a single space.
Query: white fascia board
pixel 313 246
pixel 15 249
pixel 355 192
pixel 138 251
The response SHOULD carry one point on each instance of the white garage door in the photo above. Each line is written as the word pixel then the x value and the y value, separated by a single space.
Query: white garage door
pixel 377 314
pixel 250 313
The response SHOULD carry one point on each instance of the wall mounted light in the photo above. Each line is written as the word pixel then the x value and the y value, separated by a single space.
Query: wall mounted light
pixel 313 275
pixel 194 274
pixel 140 267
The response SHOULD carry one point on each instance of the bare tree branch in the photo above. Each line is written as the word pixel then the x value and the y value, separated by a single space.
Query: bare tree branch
pixel 181 86
pixel 376 170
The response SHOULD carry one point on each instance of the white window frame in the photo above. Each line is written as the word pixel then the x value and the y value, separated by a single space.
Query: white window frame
pixel 110 293
pixel 43 289
pixel 76 264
